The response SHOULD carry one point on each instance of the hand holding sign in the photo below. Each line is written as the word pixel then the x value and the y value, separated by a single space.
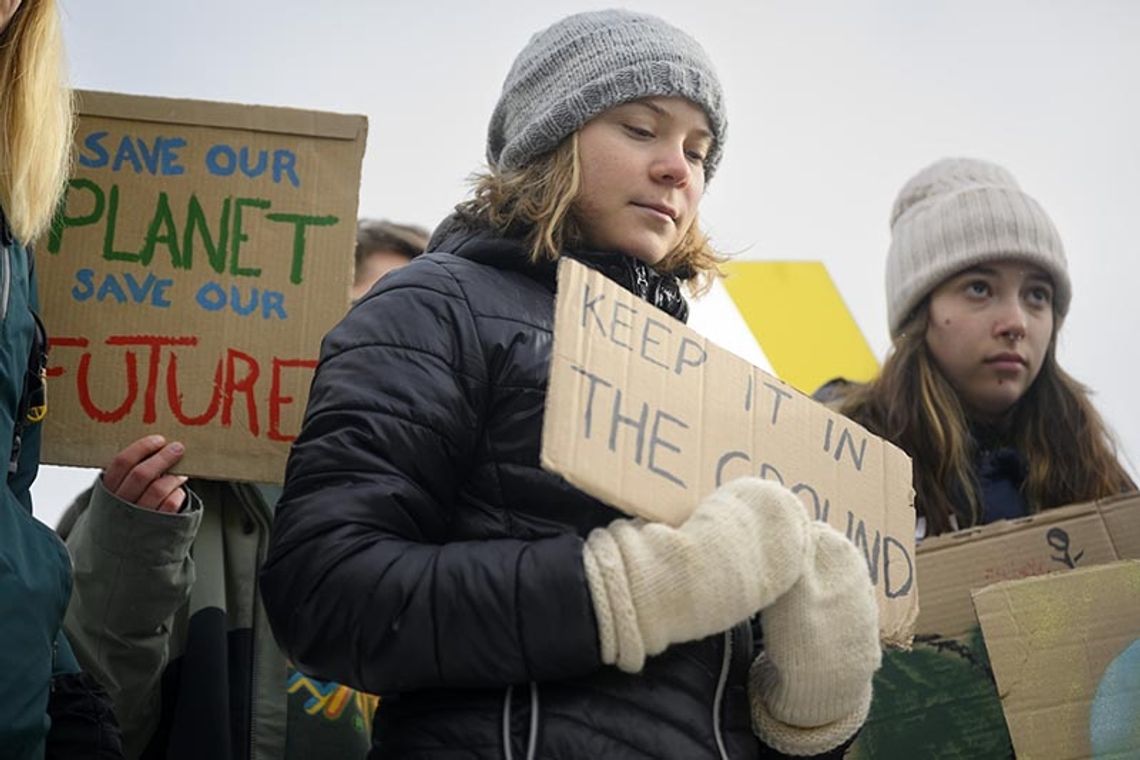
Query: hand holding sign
pixel 811 687
pixel 653 585
pixel 140 474
pixel 650 417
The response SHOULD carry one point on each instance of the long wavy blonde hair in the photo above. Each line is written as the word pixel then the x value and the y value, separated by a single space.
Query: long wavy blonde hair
pixel 35 118
pixel 537 202
pixel 1069 451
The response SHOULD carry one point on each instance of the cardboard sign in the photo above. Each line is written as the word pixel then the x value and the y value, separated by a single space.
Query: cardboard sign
pixel 1065 650
pixel 202 251
pixel 648 416
pixel 939 699
pixel 953 565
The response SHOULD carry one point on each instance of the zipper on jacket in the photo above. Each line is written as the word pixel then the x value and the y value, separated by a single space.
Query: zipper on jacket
pixel 726 661
pixel 54 661
pixel 5 283
pixel 32 407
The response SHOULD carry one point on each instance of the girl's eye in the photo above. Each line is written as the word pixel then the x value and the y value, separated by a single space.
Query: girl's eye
pixel 637 131
pixel 1040 296
pixel 696 156
pixel 978 288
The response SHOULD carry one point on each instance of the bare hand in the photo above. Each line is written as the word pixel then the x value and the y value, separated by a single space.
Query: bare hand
pixel 139 474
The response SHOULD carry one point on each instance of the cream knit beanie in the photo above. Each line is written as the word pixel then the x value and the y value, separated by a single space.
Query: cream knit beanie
pixel 962 212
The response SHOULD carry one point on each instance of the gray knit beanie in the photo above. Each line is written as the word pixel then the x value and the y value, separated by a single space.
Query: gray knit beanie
pixel 587 63
pixel 959 213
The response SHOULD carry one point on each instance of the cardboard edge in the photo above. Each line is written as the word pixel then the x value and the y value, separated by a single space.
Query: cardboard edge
pixel 207 113
pixel 552 397
pixel 1003 528
pixel 894 463
pixel 990 603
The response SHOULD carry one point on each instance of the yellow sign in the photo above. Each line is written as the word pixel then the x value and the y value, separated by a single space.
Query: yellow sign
pixel 800 321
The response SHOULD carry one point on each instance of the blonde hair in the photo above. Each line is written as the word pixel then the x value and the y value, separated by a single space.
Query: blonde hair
pixel 1070 453
pixel 35 118
pixel 536 202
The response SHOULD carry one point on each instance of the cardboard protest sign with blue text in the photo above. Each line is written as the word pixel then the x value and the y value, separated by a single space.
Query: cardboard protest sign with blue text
pixel 648 416
pixel 201 253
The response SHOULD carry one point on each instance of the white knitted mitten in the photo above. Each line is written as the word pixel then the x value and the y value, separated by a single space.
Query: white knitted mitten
pixel 811 687
pixel 653 585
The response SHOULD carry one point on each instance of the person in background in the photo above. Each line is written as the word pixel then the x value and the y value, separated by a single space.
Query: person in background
pixel 977 291
pixel 166 613
pixel 47 707
pixel 382 246
pixel 421 552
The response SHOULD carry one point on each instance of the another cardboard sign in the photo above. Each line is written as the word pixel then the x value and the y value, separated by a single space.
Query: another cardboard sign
pixel 650 417
pixel 939 700
pixel 953 565
pixel 1065 650
pixel 202 251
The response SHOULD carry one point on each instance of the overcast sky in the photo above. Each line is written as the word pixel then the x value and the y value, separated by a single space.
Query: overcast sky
pixel 832 106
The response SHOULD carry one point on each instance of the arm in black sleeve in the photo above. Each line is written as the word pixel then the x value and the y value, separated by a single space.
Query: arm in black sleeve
pixel 361 584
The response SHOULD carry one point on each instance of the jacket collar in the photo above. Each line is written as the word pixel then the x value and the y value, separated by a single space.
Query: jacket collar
pixel 662 290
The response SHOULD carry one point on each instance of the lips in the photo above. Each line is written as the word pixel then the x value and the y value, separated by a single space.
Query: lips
pixel 1007 358
pixel 661 208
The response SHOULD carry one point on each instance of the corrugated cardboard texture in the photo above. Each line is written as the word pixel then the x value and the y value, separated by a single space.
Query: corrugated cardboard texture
pixel 949 567
pixel 1065 650
pixel 204 250
pixel 650 417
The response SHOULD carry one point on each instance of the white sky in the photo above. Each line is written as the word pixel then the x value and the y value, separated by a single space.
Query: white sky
pixel 832 106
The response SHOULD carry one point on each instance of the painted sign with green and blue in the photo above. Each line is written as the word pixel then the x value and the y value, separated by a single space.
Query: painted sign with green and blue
pixel 200 253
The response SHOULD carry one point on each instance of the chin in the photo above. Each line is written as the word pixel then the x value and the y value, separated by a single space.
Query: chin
pixel 649 249
pixel 995 408
pixel 650 254
pixel 652 259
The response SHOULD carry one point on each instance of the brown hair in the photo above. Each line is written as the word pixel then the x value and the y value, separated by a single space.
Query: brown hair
pixel 35 118
pixel 1070 453
pixel 537 202
pixel 381 235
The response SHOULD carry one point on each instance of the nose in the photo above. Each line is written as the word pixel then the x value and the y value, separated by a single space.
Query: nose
pixel 1011 321
pixel 671 166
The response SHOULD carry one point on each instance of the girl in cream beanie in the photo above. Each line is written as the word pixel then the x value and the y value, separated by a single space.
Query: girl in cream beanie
pixel 977 289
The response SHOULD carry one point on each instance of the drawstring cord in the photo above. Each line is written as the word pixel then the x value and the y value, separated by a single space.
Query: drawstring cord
pixel 532 733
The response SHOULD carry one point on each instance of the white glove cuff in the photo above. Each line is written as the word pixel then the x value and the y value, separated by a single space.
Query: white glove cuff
pixel 618 630
pixel 607 636
pixel 796 740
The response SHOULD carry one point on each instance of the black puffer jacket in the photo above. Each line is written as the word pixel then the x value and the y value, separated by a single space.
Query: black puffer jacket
pixel 420 552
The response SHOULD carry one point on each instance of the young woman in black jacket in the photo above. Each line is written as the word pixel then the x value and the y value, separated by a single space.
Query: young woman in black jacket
pixel 419 550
